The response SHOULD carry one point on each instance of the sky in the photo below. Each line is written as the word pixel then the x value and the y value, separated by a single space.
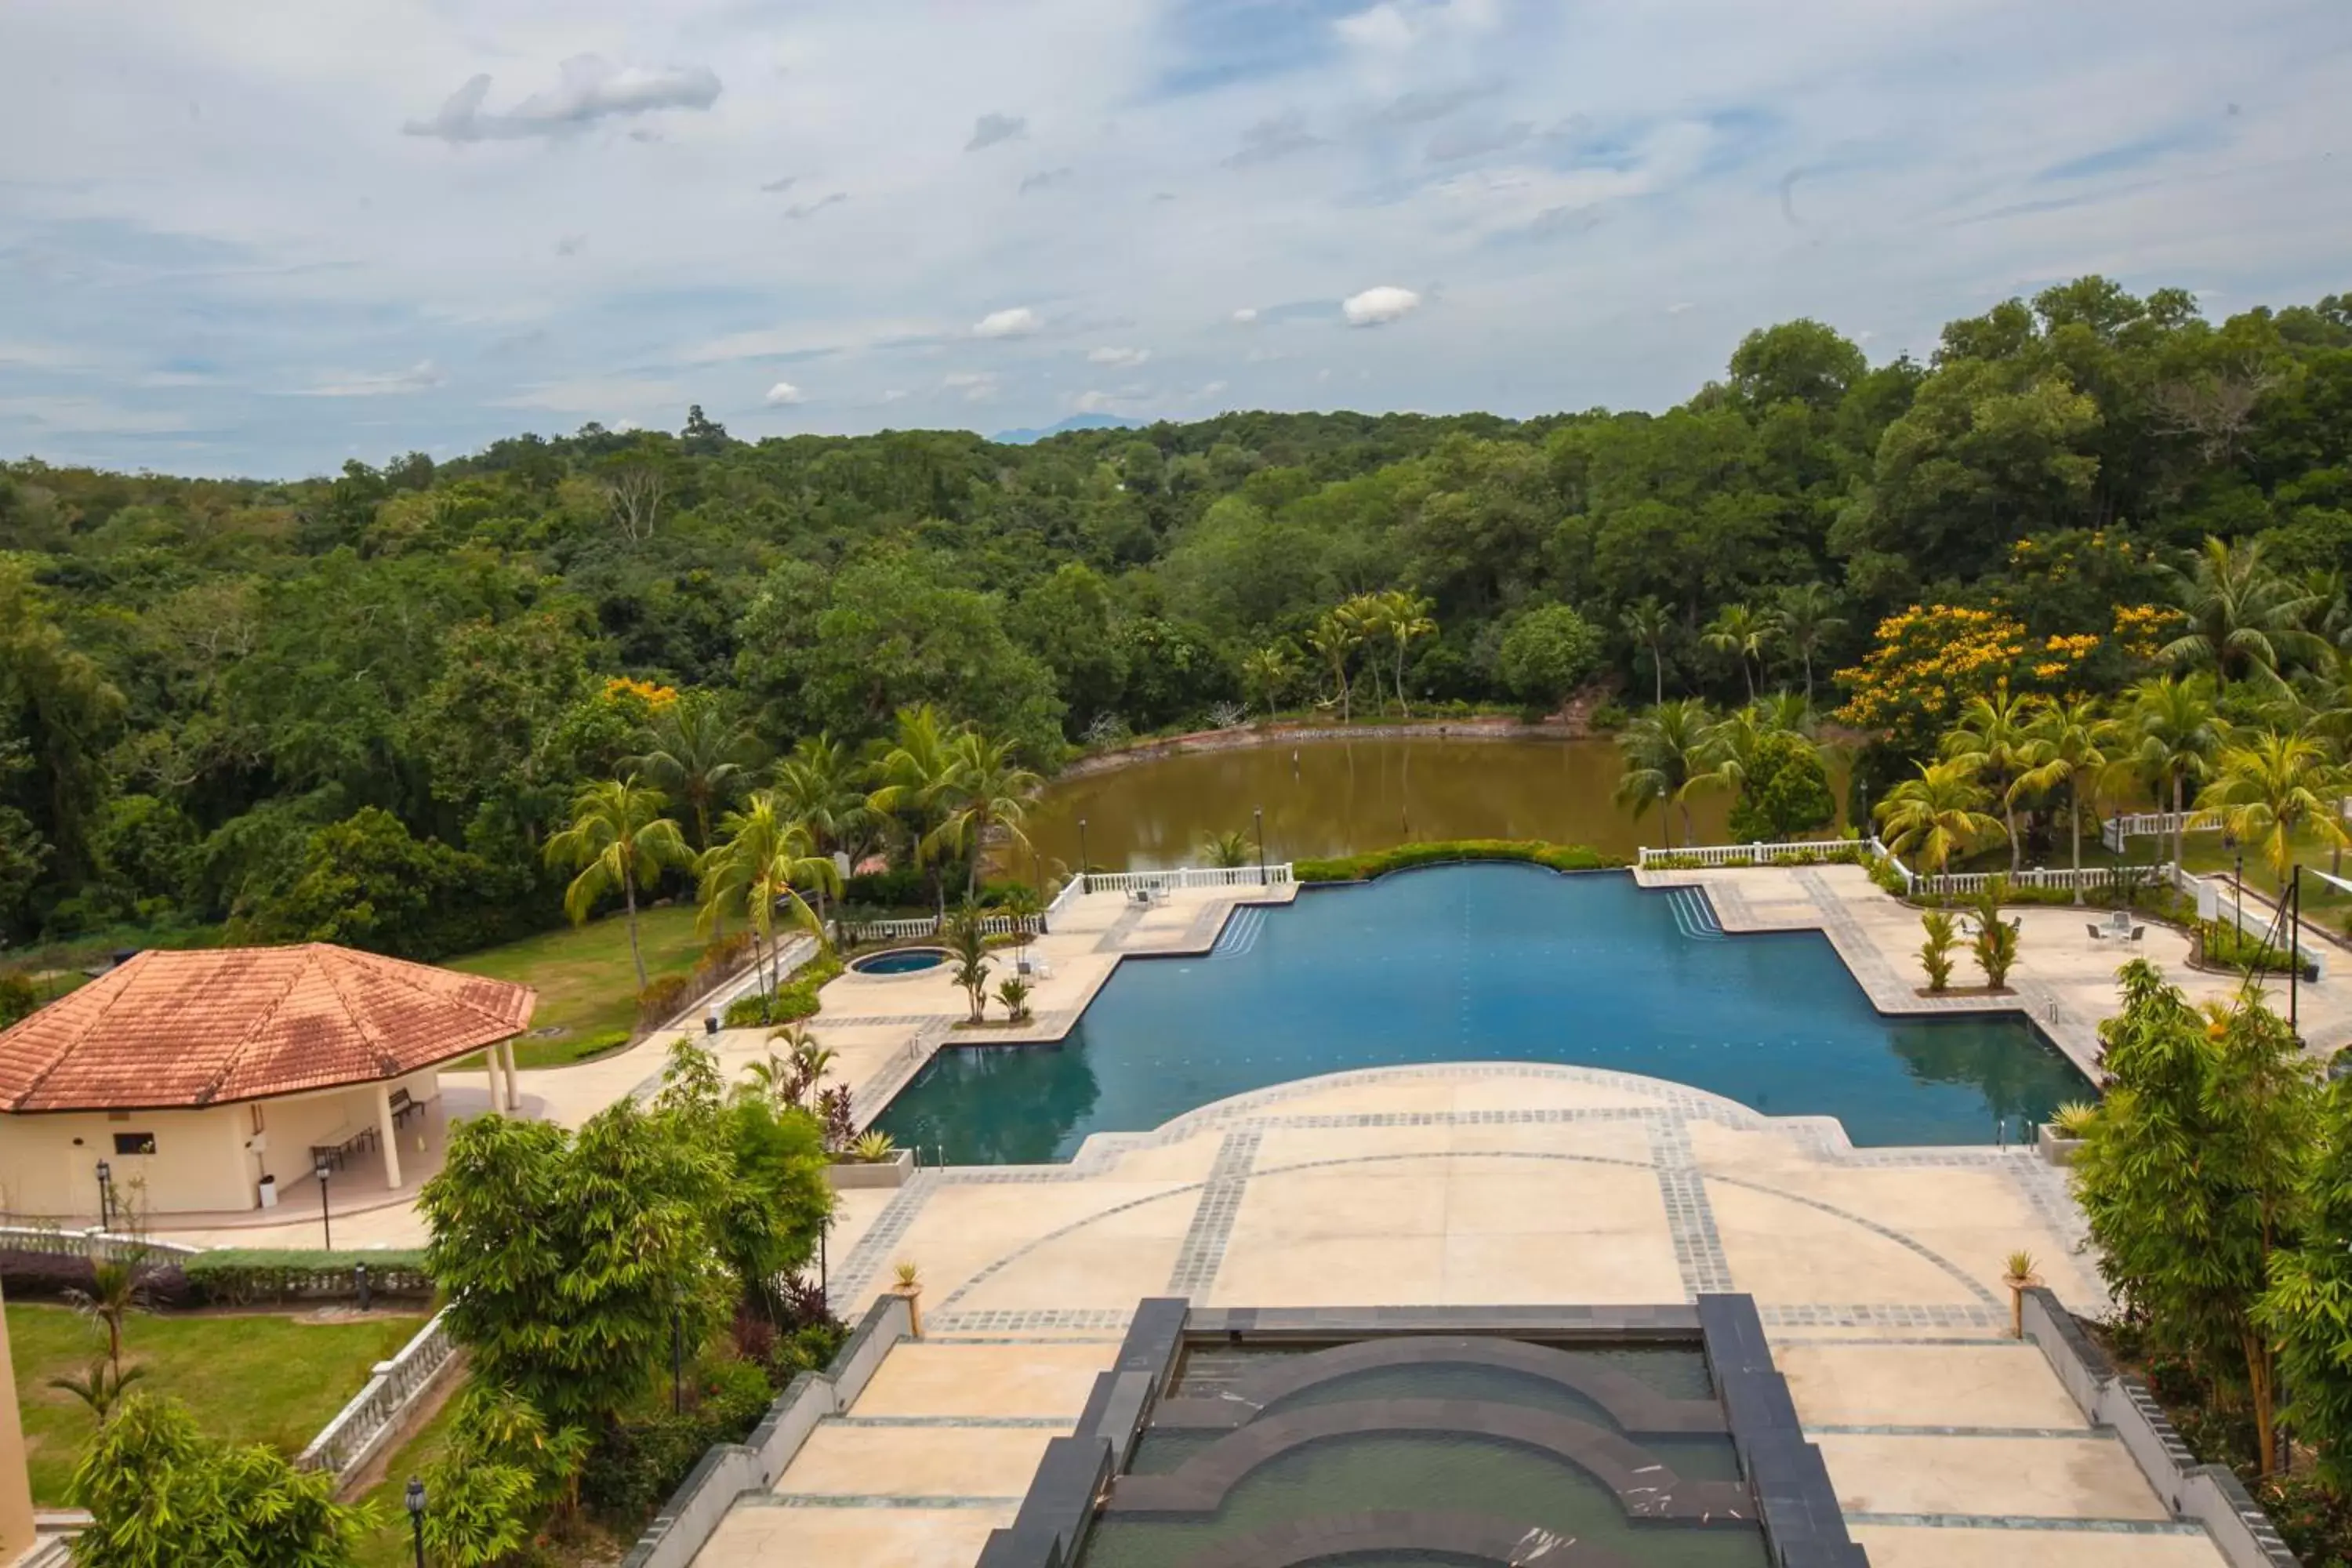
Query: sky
pixel 266 237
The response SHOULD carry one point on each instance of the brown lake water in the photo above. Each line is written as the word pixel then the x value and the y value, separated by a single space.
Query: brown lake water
pixel 1336 797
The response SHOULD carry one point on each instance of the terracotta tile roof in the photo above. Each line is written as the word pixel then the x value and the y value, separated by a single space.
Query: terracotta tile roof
pixel 206 1028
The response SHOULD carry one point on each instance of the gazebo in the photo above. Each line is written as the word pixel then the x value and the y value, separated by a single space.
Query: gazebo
pixel 211 1076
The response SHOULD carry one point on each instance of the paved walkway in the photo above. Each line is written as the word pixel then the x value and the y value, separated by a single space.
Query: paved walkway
pixel 1877 1272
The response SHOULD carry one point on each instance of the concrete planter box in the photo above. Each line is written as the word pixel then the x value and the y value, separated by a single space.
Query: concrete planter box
pixel 846 1174
pixel 2056 1149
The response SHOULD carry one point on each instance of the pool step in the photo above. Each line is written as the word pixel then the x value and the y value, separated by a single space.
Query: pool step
pixel 1695 915
pixel 1241 933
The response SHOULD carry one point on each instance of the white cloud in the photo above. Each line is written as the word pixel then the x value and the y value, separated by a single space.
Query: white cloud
pixel 783 393
pixel 589 89
pixel 990 129
pixel 88 417
pixel 1681 308
pixel 1019 322
pixel 1378 307
pixel 620 402
pixel 1118 356
pixel 418 377
pixel 1245 316
pixel 977 385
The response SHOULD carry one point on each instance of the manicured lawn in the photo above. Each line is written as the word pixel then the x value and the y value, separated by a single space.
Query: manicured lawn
pixel 586 984
pixel 248 1377
pixel 391 1544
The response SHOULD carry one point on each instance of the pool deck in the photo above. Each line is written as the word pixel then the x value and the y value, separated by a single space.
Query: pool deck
pixel 1876 1273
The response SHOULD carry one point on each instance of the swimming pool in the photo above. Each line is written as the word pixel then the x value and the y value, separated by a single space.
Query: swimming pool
pixel 1493 962
pixel 900 961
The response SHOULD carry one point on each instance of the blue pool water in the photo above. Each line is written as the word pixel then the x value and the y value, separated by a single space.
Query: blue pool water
pixel 903 960
pixel 1488 964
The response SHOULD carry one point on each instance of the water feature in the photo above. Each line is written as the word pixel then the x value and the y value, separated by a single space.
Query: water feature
pixel 900 961
pixel 1496 963
pixel 1333 797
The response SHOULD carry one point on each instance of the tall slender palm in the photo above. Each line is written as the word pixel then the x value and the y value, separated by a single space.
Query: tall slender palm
pixel 989 791
pixel 1669 753
pixel 698 755
pixel 1740 631
pixel 916 778
pixel 2068 747
pixel 1649 622
pixel 2244 619
pixel 618 839
pixel 1405 619
pixel 1269 671
pixel 760 864
pixel 1991 736
pixel 1936 815
pixel 822 786
pixel 1805 617
pixel 1334 639
pixel 2272 786
pixel 1367 617
pixel 2174 732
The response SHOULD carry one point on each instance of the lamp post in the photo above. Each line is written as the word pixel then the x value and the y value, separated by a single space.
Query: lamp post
pixel 105 1195
pixel 1083 861
pixel 326 1222
pixel 1257 814
pixel 416 1517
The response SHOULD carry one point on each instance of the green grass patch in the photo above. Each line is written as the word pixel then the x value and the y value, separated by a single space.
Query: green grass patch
pixel 250 1378
pixel 391 1544
pixel 1531 851
pixel 586 985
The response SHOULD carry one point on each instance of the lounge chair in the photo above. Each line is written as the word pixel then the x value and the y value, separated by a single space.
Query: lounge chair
pixel 2138 931
pixel 2098 933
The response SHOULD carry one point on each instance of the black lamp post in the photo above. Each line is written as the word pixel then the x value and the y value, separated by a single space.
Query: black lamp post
pixel 105 1195
pixel 1083 862
pixel 416 1517
pixel 325 1221
pixel 1257 814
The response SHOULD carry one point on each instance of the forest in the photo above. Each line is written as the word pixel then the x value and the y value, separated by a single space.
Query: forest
pixel 360 707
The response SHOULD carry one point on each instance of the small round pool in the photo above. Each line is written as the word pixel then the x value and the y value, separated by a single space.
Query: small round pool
pixel 900 961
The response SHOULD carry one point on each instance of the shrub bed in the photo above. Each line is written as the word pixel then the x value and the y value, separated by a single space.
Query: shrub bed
pixel 236 1278
pixel 794 1000
pixel 1531 851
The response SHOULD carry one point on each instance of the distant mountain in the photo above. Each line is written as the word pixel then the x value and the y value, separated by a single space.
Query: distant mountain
pixel 1075 422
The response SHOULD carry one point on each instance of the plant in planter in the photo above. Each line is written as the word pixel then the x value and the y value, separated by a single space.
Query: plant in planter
pixel 2017 1273
pixel 1014 995
pixel 873 1148
pixel 1936 953
pixel 1022 903
pixel 968 945
pixel 1995 945
pixel 2073 1120
pixel 910 1286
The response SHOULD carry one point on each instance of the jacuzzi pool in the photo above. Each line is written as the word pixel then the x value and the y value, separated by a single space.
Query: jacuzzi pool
pixel 900 961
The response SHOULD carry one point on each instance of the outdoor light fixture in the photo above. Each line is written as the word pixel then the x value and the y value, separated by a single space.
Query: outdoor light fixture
pixel 105 1195
pixel 326 1222
pixel 1083 862
pixel 1257 814
pixel 416 1516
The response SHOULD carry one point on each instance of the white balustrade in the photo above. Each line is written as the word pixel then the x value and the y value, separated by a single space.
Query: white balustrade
pixel 1189 876
pixel 98 1246
pixel 1072 891
pixel 2060 877
pixel 375 1412
pixel 1792 851
pixel 2125 826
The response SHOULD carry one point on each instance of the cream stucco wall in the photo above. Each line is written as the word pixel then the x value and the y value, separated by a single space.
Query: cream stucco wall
pixel 204 1161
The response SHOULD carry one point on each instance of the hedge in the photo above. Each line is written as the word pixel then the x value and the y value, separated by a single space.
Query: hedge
pixel 794 1000
pixel 1530 851
pixel 234 1276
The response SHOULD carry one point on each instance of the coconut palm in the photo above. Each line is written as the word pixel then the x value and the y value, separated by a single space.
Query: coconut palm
pixel 822 786
pixel 2245 620
pixel 1740 631
pixel 118 1288
pixel 2068 746
pixel 696 754
pixel 987 792
pixel 1405 618
pixel 917 773
pixel 1269 671
pixel 1670 751
pixel 2174 732
pixel 1649 622
pixel 967 946
pixel 1227 849
pixel 2272 786
pixel 1804 616
pixel 1936 815
pixel 618 839
pixel 1334 639
pixel 759 865
pixel 1991 736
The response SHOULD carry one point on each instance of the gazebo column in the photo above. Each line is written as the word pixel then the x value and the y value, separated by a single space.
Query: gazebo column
pixel 514 1088
pixel 388 1135
pixel 497 1093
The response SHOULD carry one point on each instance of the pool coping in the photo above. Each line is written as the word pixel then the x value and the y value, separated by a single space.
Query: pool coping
pixel 1781 1470
pixel 873 1097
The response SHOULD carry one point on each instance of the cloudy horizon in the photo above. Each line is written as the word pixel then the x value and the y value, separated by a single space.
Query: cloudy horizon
pixel 392 225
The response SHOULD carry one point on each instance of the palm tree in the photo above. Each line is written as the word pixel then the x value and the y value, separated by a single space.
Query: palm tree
pixel 695 754
pixel 100 1387
pixel 118 1288
pixel 1991 737
pixel 1227 849
pixel 968 945
pixel 1670 751
pixel 2243 617
pixel 2175 730
pixel 1935 814
pixel 1649 622
pixel 618 839
pixel 2066 746
pixel 916 774
pixel 1804 616
pixel 2273 785
pixel 988 792
pixel 1405 619
pixel 1334 639
pixel 821 786
pixel 1269 671
pixel 760 864
pixel 1738 631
